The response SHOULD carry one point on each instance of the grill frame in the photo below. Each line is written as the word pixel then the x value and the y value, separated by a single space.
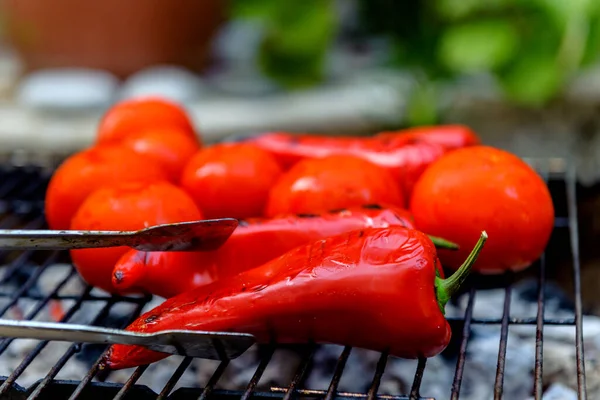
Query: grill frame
pixel 22 195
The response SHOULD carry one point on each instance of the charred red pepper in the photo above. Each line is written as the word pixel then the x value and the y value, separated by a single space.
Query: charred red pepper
pixel 450 137
pixel 374 288
pixel 406 153
pixel 252 244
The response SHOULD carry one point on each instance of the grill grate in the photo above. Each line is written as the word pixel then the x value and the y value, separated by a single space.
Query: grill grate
pixel 22 189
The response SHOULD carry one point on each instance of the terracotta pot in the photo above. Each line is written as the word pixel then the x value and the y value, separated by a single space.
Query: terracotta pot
pixel 115 35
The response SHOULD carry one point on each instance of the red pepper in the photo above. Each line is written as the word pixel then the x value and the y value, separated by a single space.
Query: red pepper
pixel 450 137
pixel 406 153
pixel 252 244
pixel 374 288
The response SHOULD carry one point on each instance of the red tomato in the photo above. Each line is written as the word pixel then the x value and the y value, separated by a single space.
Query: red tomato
pixel 83 172
pixel 323 184
pixel 170 147
pixel 231 180
pixel 142 113
pixel 122 207
pixel 482 188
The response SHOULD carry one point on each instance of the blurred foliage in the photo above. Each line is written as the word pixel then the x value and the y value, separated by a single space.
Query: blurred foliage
pixel 298 34
pixel 531 47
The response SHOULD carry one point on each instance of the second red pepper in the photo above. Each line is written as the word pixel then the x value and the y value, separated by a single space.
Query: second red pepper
pixel 406 153
pixel 252 244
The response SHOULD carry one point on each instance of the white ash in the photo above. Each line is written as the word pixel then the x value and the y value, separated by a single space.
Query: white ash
pixel 558 391
pixel 20 348
pixel 482 353
pixel 479 374
pixel 42 364
pixel 77 366
pixel 52 277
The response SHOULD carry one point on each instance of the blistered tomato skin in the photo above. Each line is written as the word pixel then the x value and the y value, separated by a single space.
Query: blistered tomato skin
pixel 483 188
pixel 231 180
pixel 170 147
pixel 88 170
pixel 125 207
pixel 143 113
pixel 333 182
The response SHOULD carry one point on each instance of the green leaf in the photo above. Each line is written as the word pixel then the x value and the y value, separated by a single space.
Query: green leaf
pixel 422 107
pixel 458 9
pixel 478 46
pixel 533 80
pixel 297 40
pixel 561 10
pixel 591 53
pixel 575 37
pixel 263 9
pixel 303 26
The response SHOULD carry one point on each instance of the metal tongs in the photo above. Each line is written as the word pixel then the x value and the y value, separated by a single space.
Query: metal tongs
pixel 204 235
pixel 210 345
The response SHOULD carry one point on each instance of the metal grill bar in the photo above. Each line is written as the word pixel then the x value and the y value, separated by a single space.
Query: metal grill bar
pixel 540 320
pixel 87 298
pixel 74 348
pixel 37 350
pixel 416 386
pixel 39 307
pixel 339 395
pixel 539 332
pixel 260 370
pixel 95 368
pixel 23 257
pixel 86 379
pixel 346 395
pixel 462 355
pixel 208 389
pixel 337 375
pixel 574 236
pixel 21 205
pixel 379 370
pixel 174 378
pixel 130 382
pixel 29 284
pixel 498 385
pixel 300 373
pixel 518 321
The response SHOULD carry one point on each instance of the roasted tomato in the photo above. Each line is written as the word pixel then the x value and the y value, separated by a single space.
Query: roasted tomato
pixel 482 188
pixel 171 147
pixel 126 206
pixel 83 172
pixel 231 180
pixel 143 113
pixel 322 184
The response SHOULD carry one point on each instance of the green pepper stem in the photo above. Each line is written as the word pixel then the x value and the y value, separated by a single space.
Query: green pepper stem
pixel 443 243
pixel 446 288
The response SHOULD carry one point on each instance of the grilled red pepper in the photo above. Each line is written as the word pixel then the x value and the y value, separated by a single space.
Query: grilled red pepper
pixel 375 288
pixel 406 153
pixel 252 244
pixel 450 137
